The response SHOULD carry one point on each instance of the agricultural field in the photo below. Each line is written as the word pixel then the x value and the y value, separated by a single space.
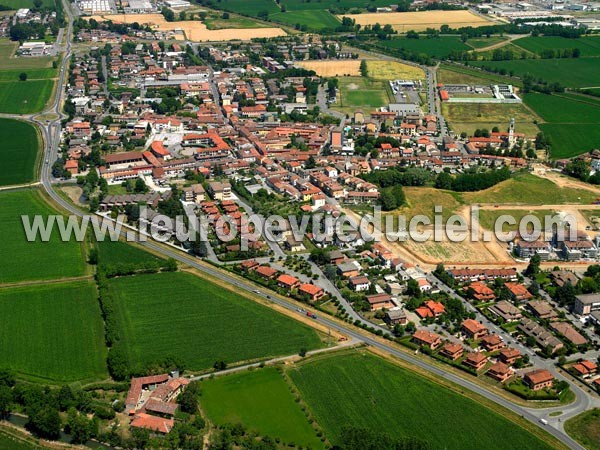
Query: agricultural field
pixel 301 5
pixel 199 322
pixel 16 4
pixel 53 331
pixel 248 7
pixel 333 68
pixel 576 73
pixel 483 42
pixel 467 117
pixel 216 22
pixel 438 47
pixel 119 252
pixel 316 19
pixel 361 93
pixel 16 440
pixel 589 46
pixel 585 429
pixel 392 70
pixel 32 74
pixel 19 152
pixel 33 260
pixel 7 59
pixel 365 391
pixel 260 400
pixel 572 122
pixel 24 97
pixel 420 21
pixel 446 75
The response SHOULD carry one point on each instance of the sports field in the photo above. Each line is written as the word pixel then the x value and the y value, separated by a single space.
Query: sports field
pixel 199 322
pixel 33 260
pixel 361 390
pixel 438 47
pixel 261 401
pixel 24 97
pixel 419 21
pixel 589 46
pixel 317 19
pixel 585 428
pixel 52 331
pixel 361 93
pixel 392 70
pixel 19 151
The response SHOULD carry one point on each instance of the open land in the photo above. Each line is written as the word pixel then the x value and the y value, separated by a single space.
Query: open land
pixel 588 45
pixel 317 19
pixel 333 68
pixel 437 47
pixel 8 60
pixel 119 252
pixel 24 97
pixel 361 93
pixel 297 5
pixel 19 152
pixel 585 428
pixel 218 324
pixel 419 21
pixel 391 70
pixel 484 42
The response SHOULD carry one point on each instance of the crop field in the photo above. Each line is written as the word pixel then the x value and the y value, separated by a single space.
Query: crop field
pixel 15 440
pixel 300 5
pixel 585 428
pixel 317 19
pixel 7 50
pixel 248 7
pixel 32 74
pixel 33 260
pixel 366 391
pixel 568 140
pixel 577 73
pixel 23 97
pixel 557 109
pixel 392 70
pixel 261 401
pixel 118 252
pixel 484 42
pixel 419 21
pixel 333 68
pixel 448 76
pixel 16 4
pixel 53 331
pixel 216 22
pixel 589 46
pixel 439 47
pixel 181 315
pixel 361 93
pixel 19 151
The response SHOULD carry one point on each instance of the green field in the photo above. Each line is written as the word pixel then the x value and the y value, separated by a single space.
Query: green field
pixel 556 109
pixel 199 322
pixel 585 428
pixel 33 260
pixel 119 252
pixel 488 217
pixel 248 7
pixel 589 46
pixel 300 5
pixel 19 152
pixel 361 93
pixel 312 19
pixel 216 22
pixel 439 47
pixel 24 97
pixel 261 401
pixel 32 74
pixel 7 50
pixel 483 42
pixel 16 4
pixel 365 391
pixel 53 331
pixel 11 439
pixel 577 73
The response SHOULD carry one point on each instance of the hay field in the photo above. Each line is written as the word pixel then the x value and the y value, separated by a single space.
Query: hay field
pixel 194 30
pixel 422 20
pixel 333 68
pixel 391 70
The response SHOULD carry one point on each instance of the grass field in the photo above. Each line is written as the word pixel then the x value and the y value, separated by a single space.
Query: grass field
pixel 12 439
pixel 317 19
pixel 488 217
pixel 32 74
pixel 578 73
pixel 361 93
pixel 53 331
pixel 216 22
pixel 570 140
pixel 33 260
pixel 439 47
pixel 301 5
pixel 589 46
pixel 585 429
pixel 248 7
pixel 365 391
pixel 181 315
pixel 391 70
pixel 16 4
pixel 18 151
pixel 120 252
pixel 24 97
pixel 7 50
pixel 483 42
pixel 422 200
pixel 262 402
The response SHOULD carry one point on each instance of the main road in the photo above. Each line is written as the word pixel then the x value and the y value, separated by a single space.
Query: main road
pixel 51 133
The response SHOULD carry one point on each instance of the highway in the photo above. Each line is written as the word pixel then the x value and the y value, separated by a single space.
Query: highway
pixel 51 134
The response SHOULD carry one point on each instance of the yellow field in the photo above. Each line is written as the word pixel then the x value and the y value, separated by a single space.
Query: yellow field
pixel 194 30
pixel 333 68
pixel 391 70
pixel 421 20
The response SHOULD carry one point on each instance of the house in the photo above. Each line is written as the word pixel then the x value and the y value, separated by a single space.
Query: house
pixel 430 309
pixel 480 291
pixel 585 368
pixel 265 272
pixel 586 303
pixel 569 332
pixel 249 265
pixel 314 292
pixel 492 342
pixel 194 193
pixel 152 423
pixel 562 277
pixel 475 360
pixel 509 355
pixel 500 372
pixel 506 311
pixel 518 292
pixel 359 284
pixel 287 281
pixel 380 301
pixel 543 338
pixel 336 257
pixel 426 338
pixel 424 285
pixel 452 351
pixel 473 329
pixel 542 309
pixel 347 269
pixel 538 379
pixel 395 316
pixel 293 245
pixel 220 190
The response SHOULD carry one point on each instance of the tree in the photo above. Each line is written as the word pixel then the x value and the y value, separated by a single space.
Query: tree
pixel 23 76
pixel 412 288
pixel 6 399
pixel 225 16
pixel 220 365
pixel 188 400
pixel 310 163
pixel 533 268
pixel 363 68
pixel 45 422
pixel 38 4
pixel 140 186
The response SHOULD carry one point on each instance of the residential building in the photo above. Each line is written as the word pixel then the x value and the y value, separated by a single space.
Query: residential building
pixel 430 309
pixel 313 292
pixel 585 368
pixel 538 379
pixel 359 284
pixel 475 360
pixel 480 291
pixel 526 249
pixel 380 301
pixel 543 338
pixel 562 277
pixel 492 342
pixel 500 372
pixel 266 272
pixel 452 351
pixel 427 339
pixel 542 309
pixel 473 329
pixel 569 332
pixel 518 292
pixel 287 281
pixel 586 303
pixel 509 355
pixel 395 316
pixel 506 311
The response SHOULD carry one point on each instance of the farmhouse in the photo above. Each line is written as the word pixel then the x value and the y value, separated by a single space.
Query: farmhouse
pixel 152 423
pixel 427 339
pixel 538 379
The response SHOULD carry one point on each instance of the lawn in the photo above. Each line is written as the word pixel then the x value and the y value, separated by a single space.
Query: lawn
pixel 483 42
pixel 181 315
pixel 19 152
pixel 585 429
pixel 361 390
pixel 589 46
pixel 53 332
pixel 317 19
pixel 24 97
pixel 439 47
pixel 261 401
pixel 392 70
pixel 33 260
pixel 361 93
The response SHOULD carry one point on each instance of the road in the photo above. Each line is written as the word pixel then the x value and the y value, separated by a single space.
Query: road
pixel 51 133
